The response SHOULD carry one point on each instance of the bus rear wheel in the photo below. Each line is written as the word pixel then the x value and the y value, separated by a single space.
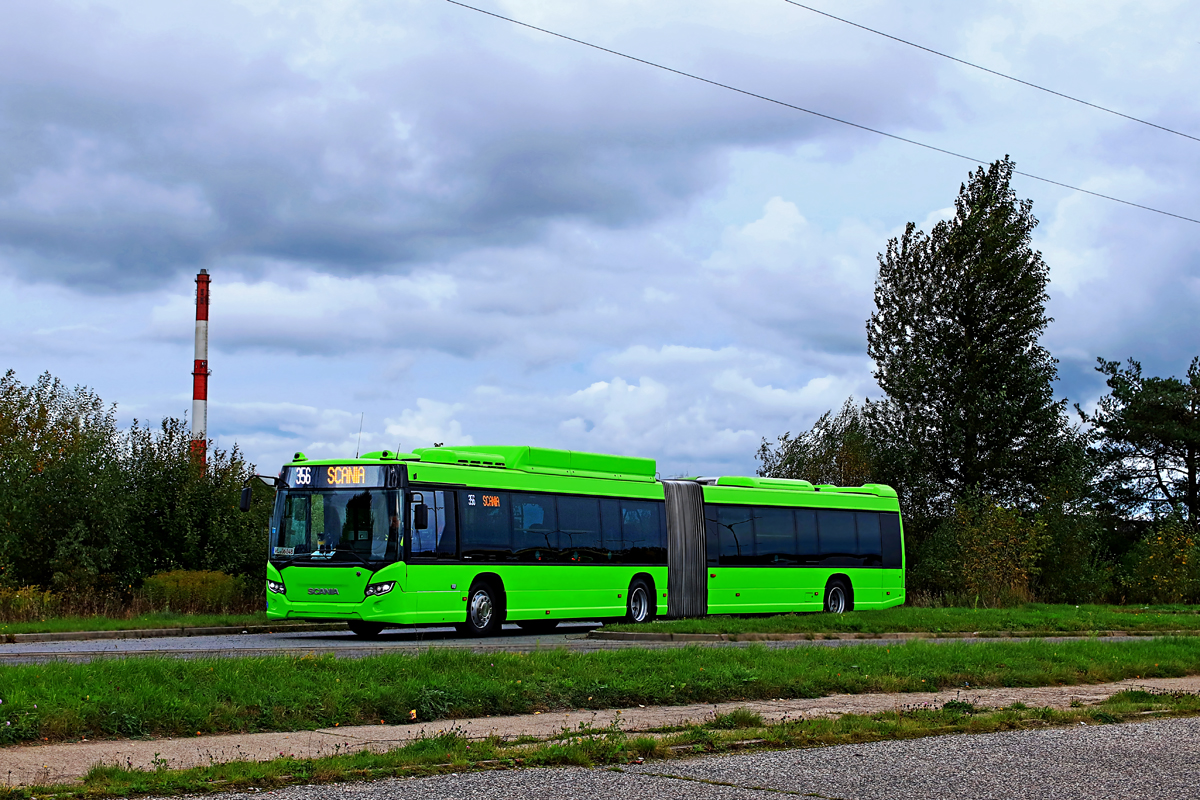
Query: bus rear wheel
pixel 367 630
pixel 485 610
pixel 639 607
pixel 837 597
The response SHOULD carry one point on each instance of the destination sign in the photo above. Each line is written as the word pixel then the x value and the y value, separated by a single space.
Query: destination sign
pixel 342 476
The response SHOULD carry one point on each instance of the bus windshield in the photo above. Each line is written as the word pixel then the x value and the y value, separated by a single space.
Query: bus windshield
pixel 361 525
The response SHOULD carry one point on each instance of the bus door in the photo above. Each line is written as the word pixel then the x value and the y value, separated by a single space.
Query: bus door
pixel 435 574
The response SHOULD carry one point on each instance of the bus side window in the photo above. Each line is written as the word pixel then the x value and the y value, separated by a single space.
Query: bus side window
pixel 774 536
pixel 868 537
pixel 579 537
pixel 535 527
pixel 447 528
pixel 612 546
pixel 642 531
pixel 485 525
pixel 735 525
pixel 424 540
pixel 806 535
pixel 893 555
pixel 838 537
pixel 712 534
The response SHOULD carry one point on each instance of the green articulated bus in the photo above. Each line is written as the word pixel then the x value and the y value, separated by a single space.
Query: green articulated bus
pixel 478 536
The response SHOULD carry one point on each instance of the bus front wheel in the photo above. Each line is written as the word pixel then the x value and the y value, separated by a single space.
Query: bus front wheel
pixel 485 610
pixel 640 604
pixel 837 597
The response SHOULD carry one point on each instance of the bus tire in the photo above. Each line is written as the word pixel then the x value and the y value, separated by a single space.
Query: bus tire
pixel 367 630
pixel 537 625
pixel 485 610
pixel 838 596
pixel 639 603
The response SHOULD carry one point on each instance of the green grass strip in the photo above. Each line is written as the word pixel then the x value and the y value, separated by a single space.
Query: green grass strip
pixel 163 619
pixel 597 747
pixel 180 697
pixel 1037 617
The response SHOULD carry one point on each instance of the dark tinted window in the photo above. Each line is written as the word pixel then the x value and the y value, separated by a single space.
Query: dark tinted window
pixel 774 536
pixel 485 520
pixel 837 532
pixel 579 537
pixel 535 527
pixel 735 529
pixel 889 524
pixel 806 534
pixel 643 532
pixel 869 545
pixel 610 530
pixel 712 532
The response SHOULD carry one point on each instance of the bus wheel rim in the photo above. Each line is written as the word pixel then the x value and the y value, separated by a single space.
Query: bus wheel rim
pixel 481 609
pixel 638 604
pixel 837 600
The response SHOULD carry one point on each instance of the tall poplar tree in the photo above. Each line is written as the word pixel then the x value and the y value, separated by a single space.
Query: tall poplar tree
pixel 955 337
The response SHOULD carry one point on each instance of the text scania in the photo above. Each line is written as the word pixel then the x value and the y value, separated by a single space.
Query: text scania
pixel 339 476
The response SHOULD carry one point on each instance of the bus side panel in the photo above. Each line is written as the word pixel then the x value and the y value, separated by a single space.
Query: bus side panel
pixel 763 590
pixel 440 588
pixel 567 591
pixel 867 582
pixel 893 587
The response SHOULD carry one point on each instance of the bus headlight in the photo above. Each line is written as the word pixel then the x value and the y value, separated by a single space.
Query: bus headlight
pixel 376 589
pixel 276 587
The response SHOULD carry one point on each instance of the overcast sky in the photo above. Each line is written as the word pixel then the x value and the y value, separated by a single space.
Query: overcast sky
pixel 470 232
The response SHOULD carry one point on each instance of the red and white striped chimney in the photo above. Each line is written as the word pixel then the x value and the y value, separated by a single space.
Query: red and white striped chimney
pixel 200 373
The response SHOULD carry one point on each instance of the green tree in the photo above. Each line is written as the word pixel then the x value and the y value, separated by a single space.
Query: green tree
pixel 1146 438
pixel 62 509
pixel 86 506
pixel 955 338
pixel 837 450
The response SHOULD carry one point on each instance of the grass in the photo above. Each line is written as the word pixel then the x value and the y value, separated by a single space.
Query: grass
pixel 158 619
pixel 188 697
pixel 1033 617
pixel 451 751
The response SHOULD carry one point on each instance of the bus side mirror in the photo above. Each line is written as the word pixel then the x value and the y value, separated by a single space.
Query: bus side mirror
pixel 244 504
pixel 420 516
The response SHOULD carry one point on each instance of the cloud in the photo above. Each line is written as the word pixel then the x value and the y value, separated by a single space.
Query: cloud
pixel 463 230
pixel 316 137
pixel 431 422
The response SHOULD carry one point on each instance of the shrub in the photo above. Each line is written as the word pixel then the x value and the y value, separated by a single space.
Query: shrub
pixel 28 603
pixel 194 591
pixel 984 554
pixel 1162 567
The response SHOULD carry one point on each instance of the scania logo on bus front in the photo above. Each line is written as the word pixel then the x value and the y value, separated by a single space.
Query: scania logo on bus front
pixel 322 591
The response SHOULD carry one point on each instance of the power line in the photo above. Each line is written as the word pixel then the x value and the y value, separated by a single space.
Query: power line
pixel 992 71
pixel 814 113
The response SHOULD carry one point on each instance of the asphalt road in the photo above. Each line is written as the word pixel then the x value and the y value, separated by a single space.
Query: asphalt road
pixel 572 636
pixel 341 643
pixel 1146 760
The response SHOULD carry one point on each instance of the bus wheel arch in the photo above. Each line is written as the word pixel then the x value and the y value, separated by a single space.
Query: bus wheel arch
pixel 640 602
pixel 839 594
pixel 486 606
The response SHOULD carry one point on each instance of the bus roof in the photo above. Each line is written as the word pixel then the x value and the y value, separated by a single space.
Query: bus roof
pixel 548 461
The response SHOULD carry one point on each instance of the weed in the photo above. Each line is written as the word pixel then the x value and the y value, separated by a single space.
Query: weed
pixel 738 718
